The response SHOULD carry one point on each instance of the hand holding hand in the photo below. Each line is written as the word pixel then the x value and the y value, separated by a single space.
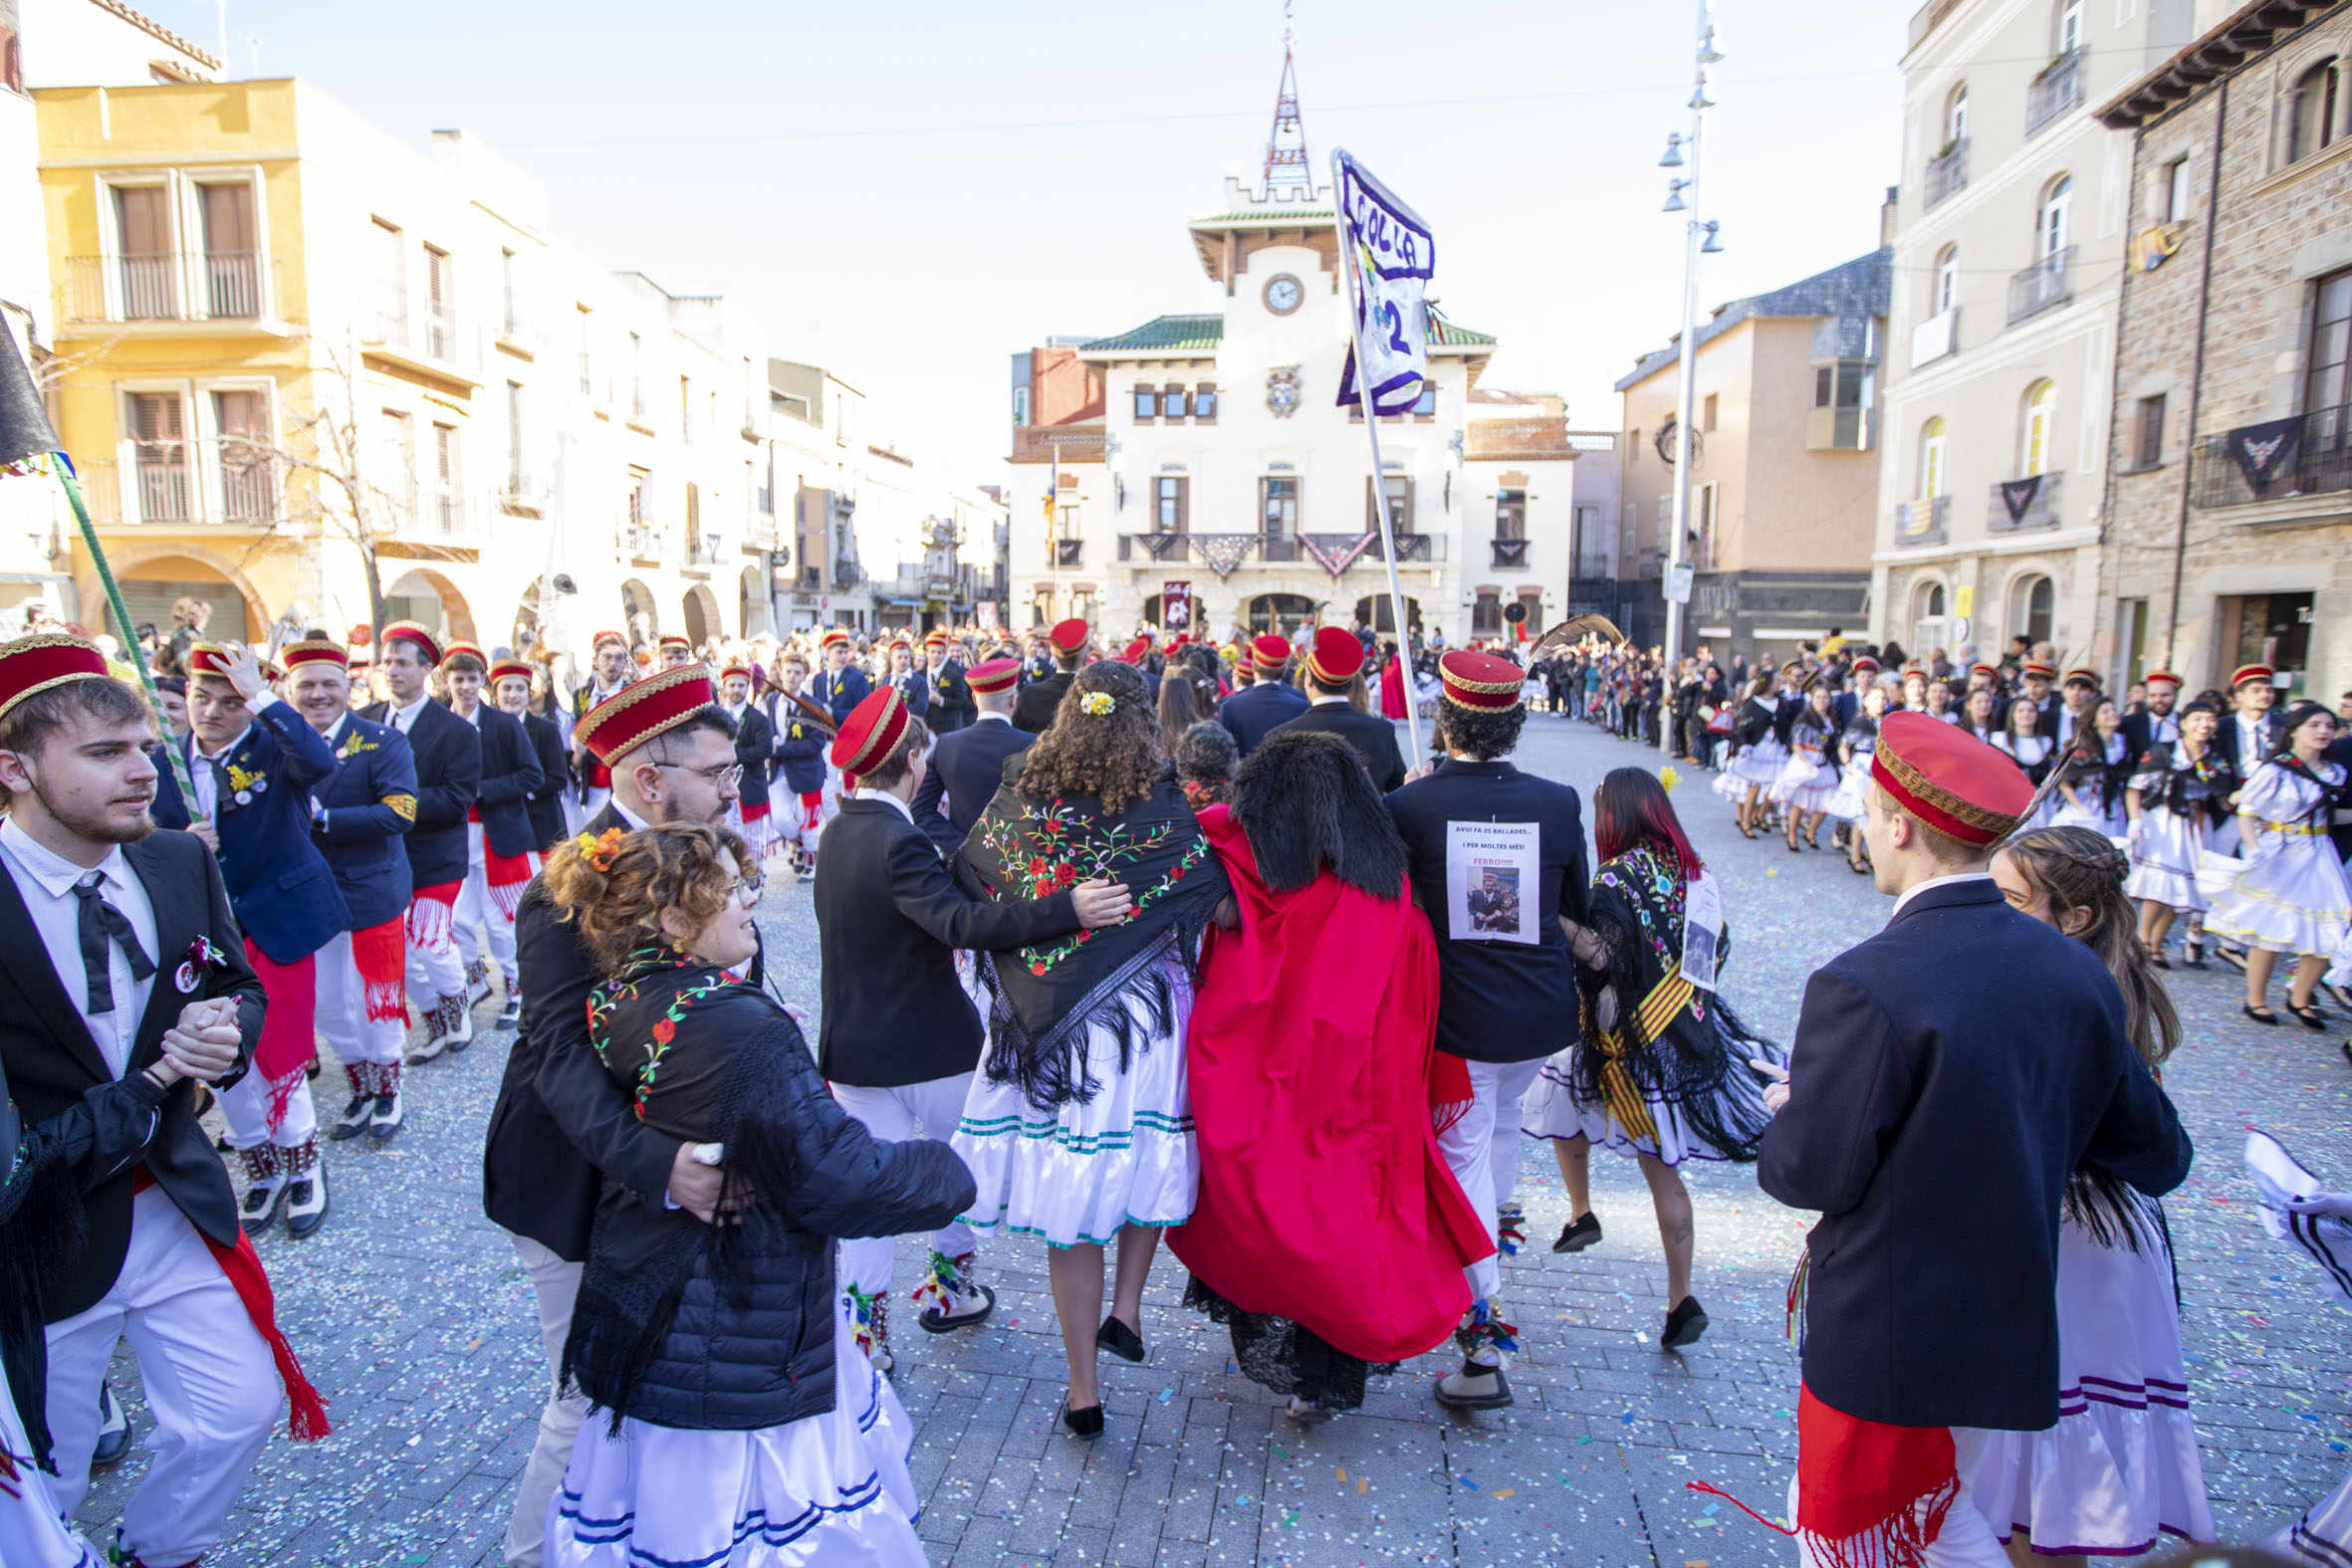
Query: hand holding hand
pixel 1101 903
pixel 1775 1093
pixel 203 1043
pixel 696 1187
pixel 1421 772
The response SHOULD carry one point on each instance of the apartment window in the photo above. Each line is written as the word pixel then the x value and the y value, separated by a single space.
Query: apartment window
pixel 1835 385
pixel 149 281
pixel 1278 508
pixel 1204 404
pixel 693 516
pixel 440 282
pixel 1931 460
pixel 1171 503
pixel 159 450
pixel 513 437
pixel 248 491
pixel 1425 406
pixel 1706 412
pixel 1398 490
pixel 2325 383
pixel 1956 116
pixel 1021 405
pixel 232 260
pixel 1511 514
pixel 686 409
pixel 2033 607
pixel 2042 408
pixel 1947 293
pixel 1147 404
pixel 1172 402
pixel 401 461
pixel 2313 115
pixel 1632 446
pixel 1485 614
pixel 1590 548
pixel 2050 218
pixel 2176 191
pixel 2147 442
pixel 637 501
pixel 391 284
pixel 2069 26
pixel 448 481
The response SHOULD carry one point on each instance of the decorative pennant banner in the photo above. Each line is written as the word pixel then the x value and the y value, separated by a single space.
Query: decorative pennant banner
pixel 2263 450
pixel 1395 258
pixel 1335 552
pixel 2018 495
pixel 1176 606
pixel 2153 247
pixel 1223 552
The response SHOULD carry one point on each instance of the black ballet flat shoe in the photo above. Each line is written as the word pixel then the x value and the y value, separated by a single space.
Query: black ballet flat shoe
pixel 1858 867
pixel 1085 1423
pixel 2158 960
pixel 1684 1324
pixel 2192 955
pixel 2266 1016
pixel 1579 1234
pixel 2309 1016
pixel 2235 958
pixel 1120 1340
pixel 2347 1050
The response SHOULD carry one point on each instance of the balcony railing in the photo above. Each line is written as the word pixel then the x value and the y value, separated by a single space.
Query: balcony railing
pixel 2044 284
pixel 200 286
pixel 641 543
pixel 704 549
pixel 449 515
pixel 1280 549
pixel 225 481
pixel 2058 89
pixel 1946 172
pixel 1153 547
pixel 1936 338
pixel 1071 443
pixel 391 315
pixel 440 330
pixel 2035 501
pixel 521 334
pixel 2315 458
pixel 1510 554
pixel 1538 438
pixel 1922 521
pixel 1068 551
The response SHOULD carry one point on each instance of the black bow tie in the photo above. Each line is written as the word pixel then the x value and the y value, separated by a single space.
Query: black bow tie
pixel 99 922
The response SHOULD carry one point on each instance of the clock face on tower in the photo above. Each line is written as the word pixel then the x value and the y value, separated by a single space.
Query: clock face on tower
pixel 1284 294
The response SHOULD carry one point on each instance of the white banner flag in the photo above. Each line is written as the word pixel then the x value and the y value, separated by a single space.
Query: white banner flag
pixel 1395 254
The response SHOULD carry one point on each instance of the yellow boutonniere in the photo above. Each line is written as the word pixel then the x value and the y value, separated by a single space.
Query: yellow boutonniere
pixel 244 778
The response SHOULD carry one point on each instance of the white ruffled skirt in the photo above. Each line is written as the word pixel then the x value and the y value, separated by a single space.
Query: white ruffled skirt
pixel 32 1532
pixel 1552 1109
pixel 1848 800
pixel 823 1490
pixel 2112 822
pixel 1759 763
pixel 2295 901
pixel 1074 1175
pixel 2121 1468
pixel 1803 785
pixel 2163 865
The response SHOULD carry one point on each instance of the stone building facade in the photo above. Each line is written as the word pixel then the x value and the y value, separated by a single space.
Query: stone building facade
pixel 2228 535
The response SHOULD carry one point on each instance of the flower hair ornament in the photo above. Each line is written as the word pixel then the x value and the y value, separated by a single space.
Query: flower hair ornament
pixel 1098 703
pixel 598 850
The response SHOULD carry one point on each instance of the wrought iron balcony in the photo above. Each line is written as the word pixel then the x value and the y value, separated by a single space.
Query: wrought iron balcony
pixel 704 549
pixel 2311 455
pixel 640 542
pixel 2021 506
pixel 1069 552
pixel 2058 89
pixel 1922 521
pixel 1510 554
pixel 1946 172
pixel 172 286
pixel 1157 546
pixel 2048 282
pixel 225 482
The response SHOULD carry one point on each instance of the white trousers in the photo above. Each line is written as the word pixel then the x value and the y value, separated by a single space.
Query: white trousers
pixel 434 967
pixel 343 1011
pixel 556 1284
pixel 1482 1150
pixel 915 1110
pixel 1965 1540
pixel 245 1108
pixel 478 914
pixel 209 1377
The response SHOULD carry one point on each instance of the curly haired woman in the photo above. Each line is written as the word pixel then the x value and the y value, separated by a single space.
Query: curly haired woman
pixel 1080 1125
pixel 742 1419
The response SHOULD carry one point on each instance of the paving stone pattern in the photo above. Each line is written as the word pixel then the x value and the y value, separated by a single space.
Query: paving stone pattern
pixel 412 1314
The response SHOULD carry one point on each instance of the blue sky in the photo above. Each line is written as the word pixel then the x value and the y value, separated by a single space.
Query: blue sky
pixel 912 192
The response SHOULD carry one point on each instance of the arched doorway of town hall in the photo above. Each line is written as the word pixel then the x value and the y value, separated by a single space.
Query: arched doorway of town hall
pixel 1279 612
pixel 1380 611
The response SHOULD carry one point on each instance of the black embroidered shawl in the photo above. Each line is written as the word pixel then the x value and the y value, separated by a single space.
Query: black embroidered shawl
pixel 1045 998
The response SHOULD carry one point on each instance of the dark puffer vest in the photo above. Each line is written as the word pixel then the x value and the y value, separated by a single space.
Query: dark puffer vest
pixel 730 1327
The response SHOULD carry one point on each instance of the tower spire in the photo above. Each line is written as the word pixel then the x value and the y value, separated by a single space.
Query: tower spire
pixel 1287 164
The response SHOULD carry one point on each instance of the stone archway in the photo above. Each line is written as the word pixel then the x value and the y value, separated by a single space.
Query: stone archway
pixel 429 598
pixel 638 609
pixel 1285 613
pixel 187 568
pixel 700 608
pixel 1379 610
pixel 758 618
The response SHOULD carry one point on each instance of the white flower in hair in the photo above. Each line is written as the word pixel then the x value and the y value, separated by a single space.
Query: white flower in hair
pixel 1098 703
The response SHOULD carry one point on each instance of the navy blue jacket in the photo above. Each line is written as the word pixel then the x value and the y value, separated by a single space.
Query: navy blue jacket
pixel 368 807
pixel 952 705
pixel 1934 1127
pixel 279 884
pixel 1253 713
pixel 755 745
pixel 966 765
pixel 448 755
pixel 511 774
pixel 915 687
pixel 1499 1002
pixel 839 690
pixel 800 749
pixel 545 804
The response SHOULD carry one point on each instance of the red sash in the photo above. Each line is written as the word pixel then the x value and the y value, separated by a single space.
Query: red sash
pixel 1868 1495
pixel 380 956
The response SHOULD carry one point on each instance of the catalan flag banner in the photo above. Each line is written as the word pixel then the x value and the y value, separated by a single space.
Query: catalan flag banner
pixel 1393 256
pixel 1053 487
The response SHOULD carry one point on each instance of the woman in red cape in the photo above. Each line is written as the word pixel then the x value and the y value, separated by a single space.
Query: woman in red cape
pixel 1393 689
pixel 1329 1234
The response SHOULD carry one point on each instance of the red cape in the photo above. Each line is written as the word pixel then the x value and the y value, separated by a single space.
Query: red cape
pixel 1392 690
pixel 1323 1198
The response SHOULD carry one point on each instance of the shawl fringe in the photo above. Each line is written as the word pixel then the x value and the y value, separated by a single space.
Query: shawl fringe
pixel 1050 1066
pixel 41 1220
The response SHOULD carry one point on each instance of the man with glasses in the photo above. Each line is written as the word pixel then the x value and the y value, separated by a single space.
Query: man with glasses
pixel 561 1126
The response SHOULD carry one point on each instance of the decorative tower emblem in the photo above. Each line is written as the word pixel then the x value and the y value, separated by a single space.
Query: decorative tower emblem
pixel 1282 390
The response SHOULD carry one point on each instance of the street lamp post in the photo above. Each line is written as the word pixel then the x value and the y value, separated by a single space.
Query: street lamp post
pixel 1683 195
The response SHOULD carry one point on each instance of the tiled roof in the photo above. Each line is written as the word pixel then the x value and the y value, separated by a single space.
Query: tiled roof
pixel 1165 334
pixel 1444 334
pixel 1278 217
pixel 1859 288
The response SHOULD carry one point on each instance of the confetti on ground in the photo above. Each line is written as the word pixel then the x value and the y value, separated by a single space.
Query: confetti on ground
pixel 1504 1491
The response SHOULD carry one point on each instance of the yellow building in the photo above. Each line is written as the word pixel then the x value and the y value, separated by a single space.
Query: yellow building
pixel 293 343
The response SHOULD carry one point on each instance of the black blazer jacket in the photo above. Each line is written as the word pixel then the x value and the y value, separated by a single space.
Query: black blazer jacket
pixel 1034 708
pixel 1253 712
pixel 755 748
pixel 545 804
pixel 449 752
pixel 511 773
pixel 889 918
pixel 1374 738
pixel 51 1061
pixel 966 767
pixel 559 1124
pixel 1936 1136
